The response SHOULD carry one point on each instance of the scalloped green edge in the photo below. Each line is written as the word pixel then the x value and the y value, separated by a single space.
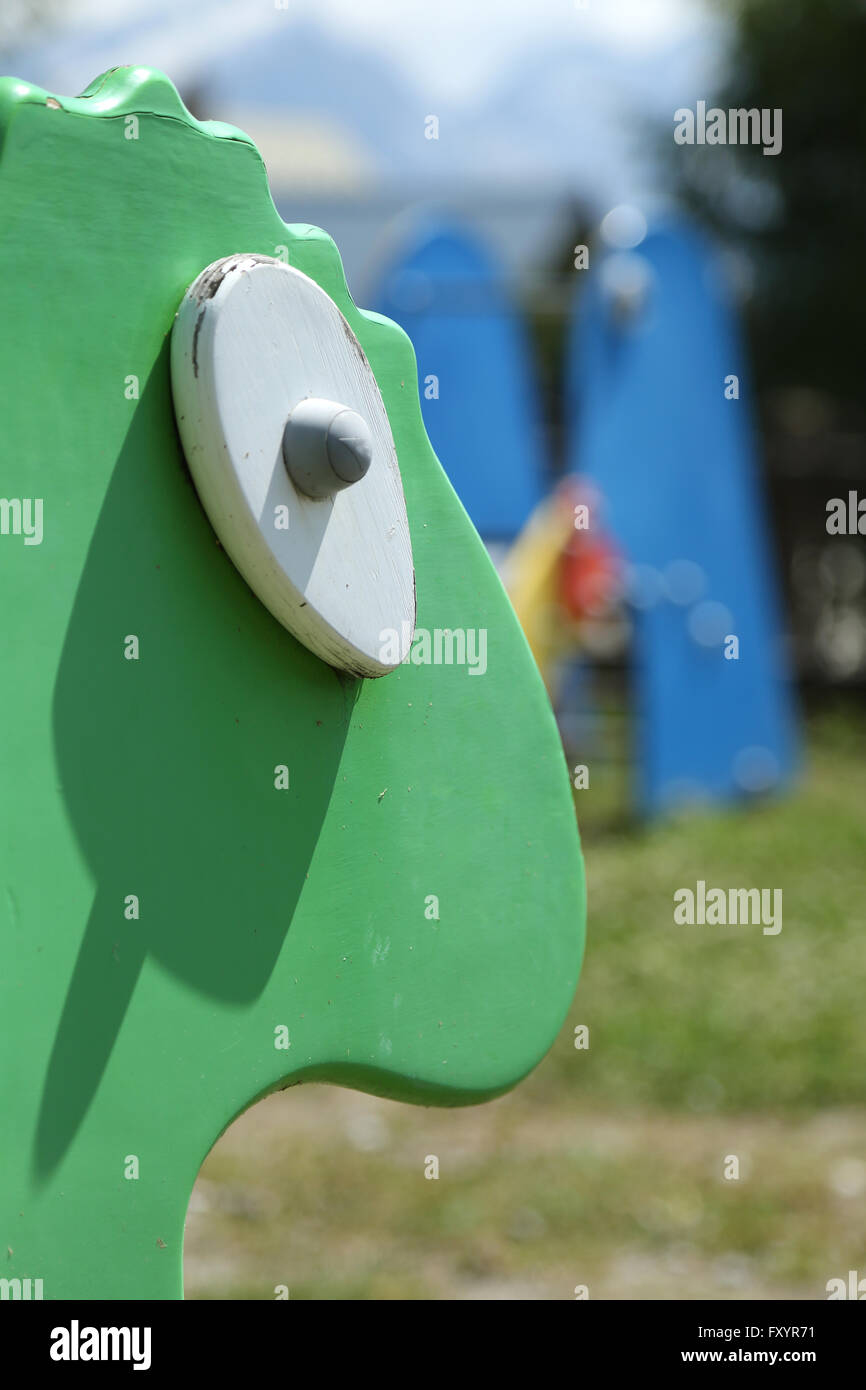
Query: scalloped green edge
pixel 142 91
pixel 121 91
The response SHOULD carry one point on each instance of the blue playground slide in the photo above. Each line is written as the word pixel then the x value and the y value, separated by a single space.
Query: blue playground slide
pixel 657 425
pixel 475 375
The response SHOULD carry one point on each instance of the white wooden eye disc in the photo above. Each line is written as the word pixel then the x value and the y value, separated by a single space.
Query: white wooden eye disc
pixel 253 339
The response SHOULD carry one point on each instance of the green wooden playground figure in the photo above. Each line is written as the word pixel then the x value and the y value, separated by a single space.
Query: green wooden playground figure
pixel 234 858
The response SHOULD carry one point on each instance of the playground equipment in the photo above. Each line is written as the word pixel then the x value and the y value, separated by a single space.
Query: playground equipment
pixel 562 575
pixel 234 860
pixel 478 399
pixel 662 428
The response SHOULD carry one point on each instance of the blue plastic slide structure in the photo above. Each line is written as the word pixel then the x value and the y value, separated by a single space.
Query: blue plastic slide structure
pixel 475 374
pixel 661 423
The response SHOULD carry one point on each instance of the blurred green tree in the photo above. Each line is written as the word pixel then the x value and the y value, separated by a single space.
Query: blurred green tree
pixel 800 215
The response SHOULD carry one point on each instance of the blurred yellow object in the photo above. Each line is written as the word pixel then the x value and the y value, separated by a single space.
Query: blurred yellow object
pixel 531 576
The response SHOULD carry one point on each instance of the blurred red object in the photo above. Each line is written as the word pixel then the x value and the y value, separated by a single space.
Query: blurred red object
pixel 589 574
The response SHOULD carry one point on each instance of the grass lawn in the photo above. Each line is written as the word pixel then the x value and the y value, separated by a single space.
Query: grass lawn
pixel 606 1168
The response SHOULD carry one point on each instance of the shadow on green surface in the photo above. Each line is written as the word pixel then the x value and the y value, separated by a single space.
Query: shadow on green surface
pixel 167 762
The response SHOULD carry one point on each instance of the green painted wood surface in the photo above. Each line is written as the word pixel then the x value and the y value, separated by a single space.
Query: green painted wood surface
pixel 259 908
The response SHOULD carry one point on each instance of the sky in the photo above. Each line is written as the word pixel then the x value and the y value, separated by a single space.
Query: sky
pixel 449 48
